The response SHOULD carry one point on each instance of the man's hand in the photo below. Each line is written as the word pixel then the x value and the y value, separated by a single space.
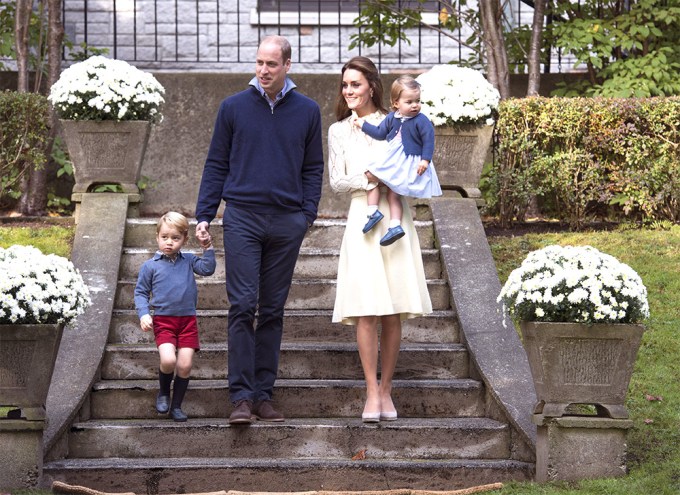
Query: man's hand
pixel 203 234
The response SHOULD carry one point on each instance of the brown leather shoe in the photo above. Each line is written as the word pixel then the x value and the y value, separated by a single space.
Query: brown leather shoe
pixel 264 411
pixel 242 413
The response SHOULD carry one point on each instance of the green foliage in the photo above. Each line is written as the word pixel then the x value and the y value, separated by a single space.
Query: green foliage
pixel 386 21
pixel 37 38
pixel 24 135
pixel 379 23
pixel 143 183
pixel 587 157
pixel 628 48
pixel 84 51
pixel 628 53
pixel 6 31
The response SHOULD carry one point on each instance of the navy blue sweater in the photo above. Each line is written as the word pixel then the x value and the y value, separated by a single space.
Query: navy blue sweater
pixel 265 160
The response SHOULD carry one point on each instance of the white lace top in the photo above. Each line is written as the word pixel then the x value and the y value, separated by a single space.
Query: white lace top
pixel 350 151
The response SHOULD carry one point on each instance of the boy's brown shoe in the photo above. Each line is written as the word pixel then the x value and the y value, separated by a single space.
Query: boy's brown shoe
pixel 264 411
pixel 242 413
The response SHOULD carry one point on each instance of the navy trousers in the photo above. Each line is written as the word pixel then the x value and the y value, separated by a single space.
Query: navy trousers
pixel 260 255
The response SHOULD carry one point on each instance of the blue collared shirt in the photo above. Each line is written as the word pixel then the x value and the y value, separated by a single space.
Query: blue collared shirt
pixel 288 85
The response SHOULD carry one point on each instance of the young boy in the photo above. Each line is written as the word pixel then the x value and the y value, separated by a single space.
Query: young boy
pixel 166 288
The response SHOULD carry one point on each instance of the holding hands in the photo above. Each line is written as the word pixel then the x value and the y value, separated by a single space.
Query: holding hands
pixel 203 235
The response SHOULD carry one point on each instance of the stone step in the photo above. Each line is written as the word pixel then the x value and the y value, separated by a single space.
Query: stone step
pixel 131 399
pixel 417 438
pixel 304 294
pixel 299 326
pixel 195 475
pixel 312 262
pixel 321 361
pixel 324 234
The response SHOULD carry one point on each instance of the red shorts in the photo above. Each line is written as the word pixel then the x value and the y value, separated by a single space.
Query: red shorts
pixel 180 331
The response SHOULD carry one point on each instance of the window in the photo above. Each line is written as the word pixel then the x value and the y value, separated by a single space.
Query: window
pixel 319 12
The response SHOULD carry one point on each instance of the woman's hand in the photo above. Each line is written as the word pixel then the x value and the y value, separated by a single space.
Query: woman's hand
pixel 371 177
pixel 422 167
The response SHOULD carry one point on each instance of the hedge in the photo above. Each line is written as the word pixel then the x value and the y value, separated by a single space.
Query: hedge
pixel 587 159
pixel 24 135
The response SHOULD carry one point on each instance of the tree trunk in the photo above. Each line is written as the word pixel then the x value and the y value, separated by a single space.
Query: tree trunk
pixel 33 201
pixel 492 33
pixel 22 18
pixel 36 194
pixel 535 48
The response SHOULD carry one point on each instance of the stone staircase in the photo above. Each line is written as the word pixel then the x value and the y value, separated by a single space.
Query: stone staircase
pixel 450 434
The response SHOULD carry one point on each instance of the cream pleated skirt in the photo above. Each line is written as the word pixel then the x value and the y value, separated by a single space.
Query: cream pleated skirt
pixel 374 280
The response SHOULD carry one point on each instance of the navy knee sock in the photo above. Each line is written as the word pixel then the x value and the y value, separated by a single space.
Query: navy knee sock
pixel 178 392
pixel 164 380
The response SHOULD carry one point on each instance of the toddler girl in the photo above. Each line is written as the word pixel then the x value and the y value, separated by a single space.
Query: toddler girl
pixel 407 169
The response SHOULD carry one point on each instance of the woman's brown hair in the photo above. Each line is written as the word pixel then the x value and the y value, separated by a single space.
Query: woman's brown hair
pixel 366 66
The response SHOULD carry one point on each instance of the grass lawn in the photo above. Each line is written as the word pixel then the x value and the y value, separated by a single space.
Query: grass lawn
pixel 654 394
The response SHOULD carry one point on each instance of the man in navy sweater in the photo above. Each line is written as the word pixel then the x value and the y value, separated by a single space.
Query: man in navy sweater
pixel 266 162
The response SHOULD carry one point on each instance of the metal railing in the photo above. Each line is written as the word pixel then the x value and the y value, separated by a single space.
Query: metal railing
pixel 223 34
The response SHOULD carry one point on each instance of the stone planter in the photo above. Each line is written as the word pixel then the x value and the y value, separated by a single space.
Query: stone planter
pixel 459 156
pixel 573 363
pixel 106 152
pixel 27 356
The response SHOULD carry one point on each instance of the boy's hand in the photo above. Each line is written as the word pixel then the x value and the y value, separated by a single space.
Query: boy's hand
pixel 422 167
pixel 206 242
pixel 146 322
pixel 358 122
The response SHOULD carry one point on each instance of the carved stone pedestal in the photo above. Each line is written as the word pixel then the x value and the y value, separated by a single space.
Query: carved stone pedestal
pixel 106 152
pixel 573 448
pixel 21 454
pixel 459 155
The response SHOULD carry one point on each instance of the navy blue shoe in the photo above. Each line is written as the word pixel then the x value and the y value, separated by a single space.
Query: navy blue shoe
pixel 178 415
pixel 163 403
pixel 392 235
pixel 372 221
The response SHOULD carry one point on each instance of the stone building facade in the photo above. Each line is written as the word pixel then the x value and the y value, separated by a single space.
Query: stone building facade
pixel 222 35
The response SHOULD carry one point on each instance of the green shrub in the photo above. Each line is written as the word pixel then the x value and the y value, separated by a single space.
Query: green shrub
pixel 24 135
pixel 587 157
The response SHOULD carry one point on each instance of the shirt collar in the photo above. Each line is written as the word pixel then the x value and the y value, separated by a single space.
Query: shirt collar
pixel 159 256
pixel 288 86
pixel 398 115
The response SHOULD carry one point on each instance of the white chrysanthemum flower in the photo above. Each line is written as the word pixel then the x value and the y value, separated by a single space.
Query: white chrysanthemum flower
pixel 100 88
pixel 39 288
pixel 453 95
pixel 574 284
